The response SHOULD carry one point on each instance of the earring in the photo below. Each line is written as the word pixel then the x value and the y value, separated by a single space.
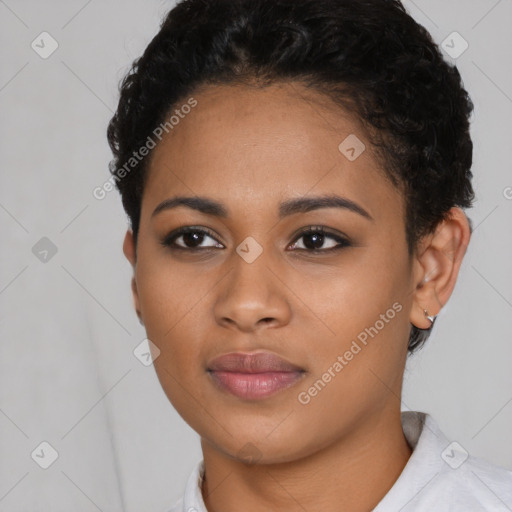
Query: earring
pixel 429 317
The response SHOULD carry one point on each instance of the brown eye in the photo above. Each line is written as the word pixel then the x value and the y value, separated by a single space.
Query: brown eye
pixel 315 239
pixel 190 239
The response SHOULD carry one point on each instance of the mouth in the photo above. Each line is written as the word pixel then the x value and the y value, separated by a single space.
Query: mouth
pixel 253 376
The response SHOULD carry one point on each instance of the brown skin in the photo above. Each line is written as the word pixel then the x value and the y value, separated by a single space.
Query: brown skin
pixel 250 149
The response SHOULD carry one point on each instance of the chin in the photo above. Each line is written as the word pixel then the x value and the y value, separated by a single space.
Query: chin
pixel 251 446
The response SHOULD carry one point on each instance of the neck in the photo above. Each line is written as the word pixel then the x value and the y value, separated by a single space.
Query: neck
pixel 354 473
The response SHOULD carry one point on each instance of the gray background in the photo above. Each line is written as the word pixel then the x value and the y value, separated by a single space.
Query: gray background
pixel 67 372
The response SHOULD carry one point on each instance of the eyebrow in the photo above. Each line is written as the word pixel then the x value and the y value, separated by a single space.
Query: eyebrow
pixel 307 204
pixel 201 204
pixel 287 208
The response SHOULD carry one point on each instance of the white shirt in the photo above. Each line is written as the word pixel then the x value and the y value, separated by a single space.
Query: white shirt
pixel 439 477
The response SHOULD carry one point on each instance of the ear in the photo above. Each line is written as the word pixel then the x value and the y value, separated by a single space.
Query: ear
pixel 436 266
pixel 129 251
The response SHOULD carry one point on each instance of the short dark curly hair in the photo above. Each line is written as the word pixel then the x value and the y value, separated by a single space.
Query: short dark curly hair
pixel 369 56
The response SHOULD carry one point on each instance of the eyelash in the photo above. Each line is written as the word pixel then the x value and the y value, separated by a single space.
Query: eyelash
pixel 169 240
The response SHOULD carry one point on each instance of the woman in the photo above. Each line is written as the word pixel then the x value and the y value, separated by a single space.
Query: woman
pixel 295 174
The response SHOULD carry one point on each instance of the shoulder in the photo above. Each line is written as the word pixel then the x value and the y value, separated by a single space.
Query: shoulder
pixel 477 482
pixel 476 485
pixel 442 476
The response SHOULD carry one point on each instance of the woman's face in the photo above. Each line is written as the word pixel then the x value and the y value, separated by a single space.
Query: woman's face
pixel 339 315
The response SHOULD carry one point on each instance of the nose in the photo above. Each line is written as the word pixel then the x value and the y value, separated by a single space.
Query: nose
pixel 251 298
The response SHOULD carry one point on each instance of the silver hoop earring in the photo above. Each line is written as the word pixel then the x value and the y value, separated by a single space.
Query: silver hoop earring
pixel 429 317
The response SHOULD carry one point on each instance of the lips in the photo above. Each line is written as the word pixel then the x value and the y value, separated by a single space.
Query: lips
pixel 259 362
pixel 253 376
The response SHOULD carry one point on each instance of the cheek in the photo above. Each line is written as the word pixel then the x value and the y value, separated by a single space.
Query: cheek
pixel 351 296
pixel 364 320
pixel 171 307
pixel 168 294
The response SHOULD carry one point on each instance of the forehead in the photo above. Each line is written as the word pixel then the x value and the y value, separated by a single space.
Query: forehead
pixel 266 144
